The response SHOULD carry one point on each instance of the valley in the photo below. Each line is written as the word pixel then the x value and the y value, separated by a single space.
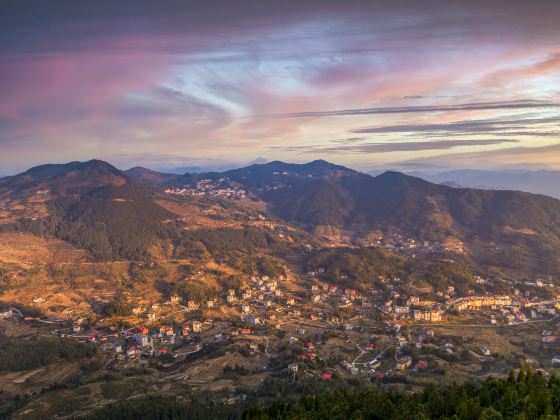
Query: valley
pixel 226 287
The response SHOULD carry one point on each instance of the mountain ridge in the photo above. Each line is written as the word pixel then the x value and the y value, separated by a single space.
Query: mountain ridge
pixel 334 201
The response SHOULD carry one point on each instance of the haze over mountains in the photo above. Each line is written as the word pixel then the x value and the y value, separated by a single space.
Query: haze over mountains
pixel 545 182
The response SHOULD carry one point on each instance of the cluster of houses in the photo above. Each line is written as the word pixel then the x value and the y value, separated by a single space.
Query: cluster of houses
pixel 345 296
pixel 142 340
pixel 478 302
pixel 414 309
pixel 512 308
pixel 262 301
pixel 207 187
pixel 399 243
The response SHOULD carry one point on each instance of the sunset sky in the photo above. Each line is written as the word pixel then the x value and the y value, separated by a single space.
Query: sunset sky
pixel 427 85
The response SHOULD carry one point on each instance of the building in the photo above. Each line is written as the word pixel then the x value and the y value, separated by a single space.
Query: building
pixel 196 326
pixel 6 313
pixel 251 319
pixel 141 340
pixel 165 330
pixel 422 364
pixel 430 315
pixel 401 310
pixel 479 302
pixel 253 347
pixel 130 351
pixel 404 363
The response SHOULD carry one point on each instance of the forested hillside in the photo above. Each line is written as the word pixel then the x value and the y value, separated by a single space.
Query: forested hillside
pixel 526 395
pixel 110 222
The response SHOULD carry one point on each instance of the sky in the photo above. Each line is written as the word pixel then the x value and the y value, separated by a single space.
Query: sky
pixel 409 85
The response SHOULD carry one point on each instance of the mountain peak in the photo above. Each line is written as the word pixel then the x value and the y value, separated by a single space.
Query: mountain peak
pixel 315 165
pixel 64 176
pixel 321 163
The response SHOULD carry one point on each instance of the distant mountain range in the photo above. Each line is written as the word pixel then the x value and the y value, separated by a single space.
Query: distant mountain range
pixel 95 203
pixel 211 166
pixel 545 182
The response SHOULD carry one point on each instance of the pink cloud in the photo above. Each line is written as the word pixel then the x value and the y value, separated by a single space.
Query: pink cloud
pixel 75 84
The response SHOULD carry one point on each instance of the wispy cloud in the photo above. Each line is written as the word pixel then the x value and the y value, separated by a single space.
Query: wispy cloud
pixel 480 106
pixel 469 126
pixel 412 146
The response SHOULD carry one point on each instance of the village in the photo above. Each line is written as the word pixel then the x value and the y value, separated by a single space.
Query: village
pixel 207 188
pixel 374 333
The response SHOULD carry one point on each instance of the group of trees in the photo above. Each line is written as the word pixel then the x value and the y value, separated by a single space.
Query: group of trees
pixel 443 273
pixel 18 355
pixel 527 395
pixel 356 268
pixel 222 243
pixel 118 307
pixel 113 222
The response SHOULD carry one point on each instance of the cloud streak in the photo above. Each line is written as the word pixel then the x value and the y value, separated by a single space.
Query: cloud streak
pixel 470 126
pixel 412 146
pixel 481 106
